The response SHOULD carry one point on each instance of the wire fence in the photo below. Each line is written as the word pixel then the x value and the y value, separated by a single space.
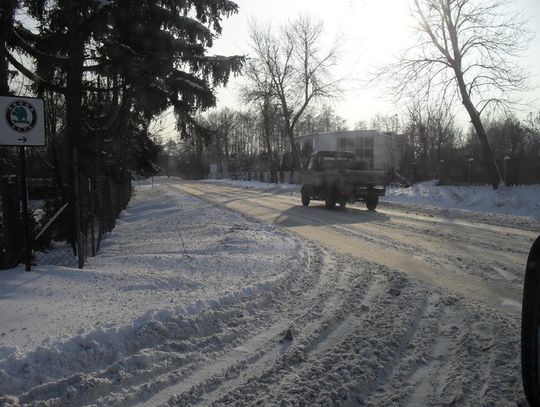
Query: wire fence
pixel 66 221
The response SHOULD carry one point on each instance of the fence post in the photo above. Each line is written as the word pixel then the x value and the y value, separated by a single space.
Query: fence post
pixel 111 205
pixel 92 229
pixel 12 241
pixel 100 210
pixel 77 208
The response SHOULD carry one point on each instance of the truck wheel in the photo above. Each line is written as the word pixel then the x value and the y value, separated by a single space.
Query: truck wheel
pixel 371 202
pixel 305 197
pixel 343 203
pixel 329 202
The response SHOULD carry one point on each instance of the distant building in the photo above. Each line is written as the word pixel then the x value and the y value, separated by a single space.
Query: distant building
pixel 377 149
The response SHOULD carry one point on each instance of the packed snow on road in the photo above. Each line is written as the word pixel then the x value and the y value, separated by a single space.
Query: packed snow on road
pixel 190 303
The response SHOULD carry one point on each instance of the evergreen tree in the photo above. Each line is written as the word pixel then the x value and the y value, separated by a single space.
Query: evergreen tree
pixel 120 63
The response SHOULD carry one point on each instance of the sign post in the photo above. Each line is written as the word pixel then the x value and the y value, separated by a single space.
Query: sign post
pixel 22 124
pixel 24 198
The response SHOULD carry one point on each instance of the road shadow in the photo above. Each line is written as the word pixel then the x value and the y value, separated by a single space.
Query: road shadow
pixel 316 214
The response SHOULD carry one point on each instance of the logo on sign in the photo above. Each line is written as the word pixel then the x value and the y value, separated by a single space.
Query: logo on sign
pixel 21 116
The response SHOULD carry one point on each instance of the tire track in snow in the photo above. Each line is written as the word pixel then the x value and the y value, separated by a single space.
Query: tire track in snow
pixel 339 362
pixel 314 327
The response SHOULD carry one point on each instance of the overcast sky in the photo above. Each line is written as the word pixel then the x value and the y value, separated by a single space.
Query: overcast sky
pixel 371 32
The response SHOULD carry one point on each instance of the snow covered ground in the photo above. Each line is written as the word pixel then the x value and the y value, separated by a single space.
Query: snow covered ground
pixel 170 256
pixel 188 303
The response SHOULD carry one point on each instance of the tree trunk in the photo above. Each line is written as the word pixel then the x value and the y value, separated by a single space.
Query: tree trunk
pixel 74 123
pixel 7 11
pixel 493 169
pixel 4 72
pixel 294 150
pixel 268 142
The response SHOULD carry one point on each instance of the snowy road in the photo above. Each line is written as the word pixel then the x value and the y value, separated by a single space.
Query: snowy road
pixel 190 304
pixel 481 261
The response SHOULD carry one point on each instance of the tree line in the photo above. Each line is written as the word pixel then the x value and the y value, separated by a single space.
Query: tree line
pixel 429 141
pixel 247 141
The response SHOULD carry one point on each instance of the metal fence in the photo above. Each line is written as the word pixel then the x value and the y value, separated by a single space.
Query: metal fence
pixel 102 199
pixel 66 221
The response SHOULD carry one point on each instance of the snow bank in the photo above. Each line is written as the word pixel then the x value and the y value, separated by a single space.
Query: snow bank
pixel 515 200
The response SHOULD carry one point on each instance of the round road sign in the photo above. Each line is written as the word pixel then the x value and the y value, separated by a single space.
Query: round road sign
pixel 21 116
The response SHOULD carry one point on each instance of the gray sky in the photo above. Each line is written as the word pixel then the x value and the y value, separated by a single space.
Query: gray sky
pixel 371 32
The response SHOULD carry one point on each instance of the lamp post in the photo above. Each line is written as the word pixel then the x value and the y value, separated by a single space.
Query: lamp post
pixel 441 168
pixel 469 163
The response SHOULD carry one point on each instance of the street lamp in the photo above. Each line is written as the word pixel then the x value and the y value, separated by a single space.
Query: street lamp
pixel 470 161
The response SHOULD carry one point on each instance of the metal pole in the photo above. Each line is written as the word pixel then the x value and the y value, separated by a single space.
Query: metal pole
pixel 24 197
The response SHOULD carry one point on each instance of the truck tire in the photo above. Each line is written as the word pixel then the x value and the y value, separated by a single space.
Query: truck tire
pixel 329 201
pixel 371 202
pixel 530 322
pixel 343 203
pixel 305 196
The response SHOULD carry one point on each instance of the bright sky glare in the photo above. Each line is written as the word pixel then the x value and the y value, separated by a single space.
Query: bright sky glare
pixel 371 32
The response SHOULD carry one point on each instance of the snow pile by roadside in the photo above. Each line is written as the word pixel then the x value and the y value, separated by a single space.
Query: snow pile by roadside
pixel 515 200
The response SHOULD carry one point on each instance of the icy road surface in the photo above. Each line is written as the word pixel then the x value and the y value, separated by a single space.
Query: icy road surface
pixel 240 297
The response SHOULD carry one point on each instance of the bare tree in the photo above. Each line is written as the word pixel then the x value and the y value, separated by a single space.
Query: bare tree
pixel 299 70
pixel 466 49
pixel 221 123
pixel 361 125
pixel 431 134
pixel 386 123
pixel 320 120
pixel 259 93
